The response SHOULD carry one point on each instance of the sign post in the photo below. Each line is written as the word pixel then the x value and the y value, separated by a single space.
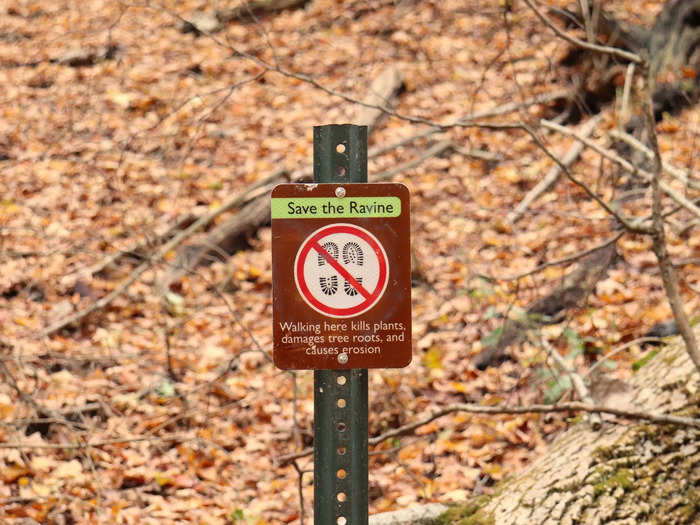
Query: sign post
pixel 341 304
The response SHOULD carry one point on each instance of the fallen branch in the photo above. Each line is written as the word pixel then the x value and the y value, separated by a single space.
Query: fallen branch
pixel 204 23
pixel 515 106
pixel 554 172
pixel 141 269
pixel 381 94
pixel 433 151
pixel 574 406
pixel 551 308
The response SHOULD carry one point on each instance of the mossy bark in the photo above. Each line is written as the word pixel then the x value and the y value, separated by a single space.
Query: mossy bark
pixel 624 474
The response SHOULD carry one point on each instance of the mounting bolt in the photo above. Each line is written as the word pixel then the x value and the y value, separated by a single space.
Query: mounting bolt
pixel 343 358
pixel 340 193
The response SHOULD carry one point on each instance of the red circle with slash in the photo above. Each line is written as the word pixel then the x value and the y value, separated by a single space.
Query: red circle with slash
pixel 358 297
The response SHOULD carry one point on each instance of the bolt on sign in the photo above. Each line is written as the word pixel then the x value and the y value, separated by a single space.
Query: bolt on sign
pixel 341 276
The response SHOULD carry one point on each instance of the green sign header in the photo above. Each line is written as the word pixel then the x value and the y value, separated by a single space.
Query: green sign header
pixel 334 208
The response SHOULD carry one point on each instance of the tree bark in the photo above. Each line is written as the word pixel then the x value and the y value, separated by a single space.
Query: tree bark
pixel 624 474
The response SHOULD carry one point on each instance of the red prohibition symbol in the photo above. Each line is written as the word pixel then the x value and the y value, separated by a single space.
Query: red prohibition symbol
pixel 341 270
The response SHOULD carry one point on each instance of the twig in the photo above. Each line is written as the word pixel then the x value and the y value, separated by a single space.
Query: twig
pixel 433 151
pixel 93 444
pixel 479 154
pixel 308 79
pixel 300 490
pixel 613 51
pixel 573 406
pixel 620 349
pixel 146 243
pixel 644 175
pixel 633 227
pixel 26 398
pixel 584 395
pixel 484 114
pixel 671 170
pixel 553 174
pixel 564 260
pixel 516 106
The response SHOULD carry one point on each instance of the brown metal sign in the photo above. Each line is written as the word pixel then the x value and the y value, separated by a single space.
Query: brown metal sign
pixel 341 276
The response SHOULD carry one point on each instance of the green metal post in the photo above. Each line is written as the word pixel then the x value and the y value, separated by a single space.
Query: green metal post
pixel 341 475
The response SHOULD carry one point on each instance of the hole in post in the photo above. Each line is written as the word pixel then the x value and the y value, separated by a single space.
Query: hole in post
pixel 341 451
pixel 341 473
pixel 340 171
pixel 341 380
pixel 340 148
pixel 341 521
pixel 341 427
pixel 341 403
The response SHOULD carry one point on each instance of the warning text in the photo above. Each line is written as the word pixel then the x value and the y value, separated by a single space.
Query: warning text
pixel 346 337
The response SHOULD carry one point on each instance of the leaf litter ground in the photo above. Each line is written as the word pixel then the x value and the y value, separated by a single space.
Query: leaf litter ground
pixel 183 411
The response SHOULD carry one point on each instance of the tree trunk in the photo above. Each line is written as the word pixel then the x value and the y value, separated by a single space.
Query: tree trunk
pixel 631 474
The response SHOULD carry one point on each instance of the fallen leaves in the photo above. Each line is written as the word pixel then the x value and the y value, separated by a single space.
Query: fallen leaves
pixel 97 159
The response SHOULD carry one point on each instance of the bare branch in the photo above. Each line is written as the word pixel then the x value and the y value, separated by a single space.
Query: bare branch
pixel 619 349
pixel 658 236
pixel 613 51
pixel 564 260
pixel 553 174
pixel 625 222
pixel 628 166
pixel 574 406
pixel 677 173
pixel 434 151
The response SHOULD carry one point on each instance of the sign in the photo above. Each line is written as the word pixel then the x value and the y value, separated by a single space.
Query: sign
pixel 341 272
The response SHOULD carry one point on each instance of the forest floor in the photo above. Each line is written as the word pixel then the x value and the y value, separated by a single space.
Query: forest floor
pixel 114 124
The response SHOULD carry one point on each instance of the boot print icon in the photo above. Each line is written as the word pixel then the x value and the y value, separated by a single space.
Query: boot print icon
pixel 341 270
